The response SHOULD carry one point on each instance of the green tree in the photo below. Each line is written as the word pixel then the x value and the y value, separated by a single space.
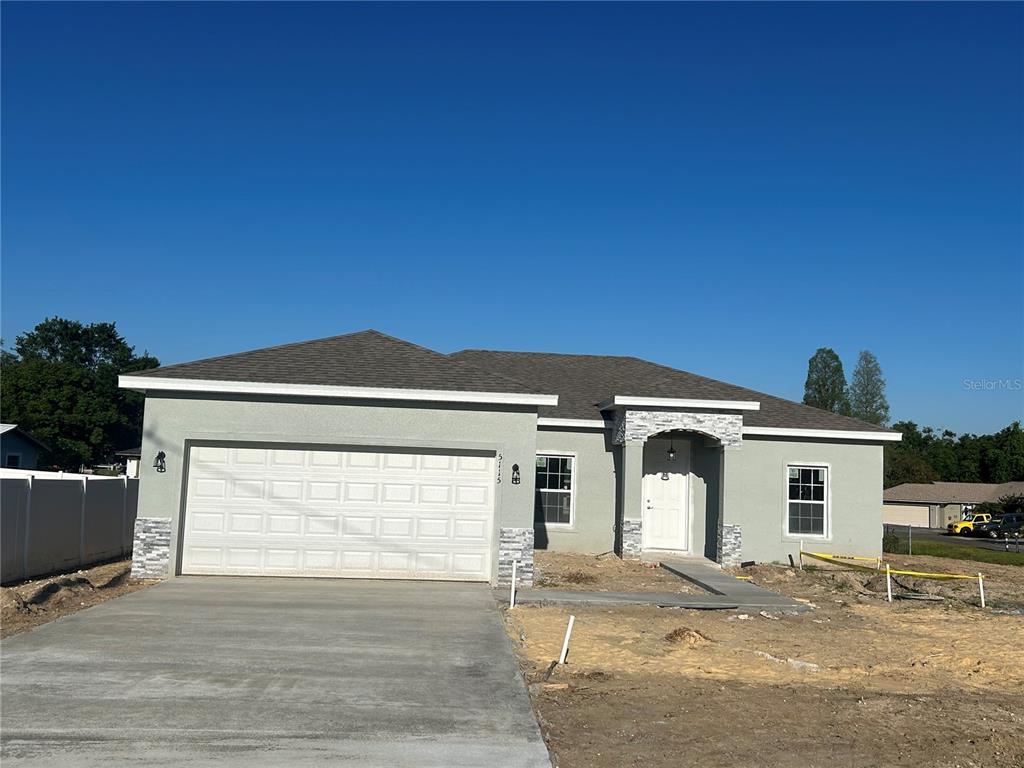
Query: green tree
pixel 825 386
pixel 925 455
pixel 867 391
pixel 1002 455
pixel 902 467
pixel 60 384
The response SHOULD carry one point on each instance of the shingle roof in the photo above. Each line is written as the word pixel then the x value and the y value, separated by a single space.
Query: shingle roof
pixel 374 359
pixel 364 359
pixel 583 381
pixel 951 493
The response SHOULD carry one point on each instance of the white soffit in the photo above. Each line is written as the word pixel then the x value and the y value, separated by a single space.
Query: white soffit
pixel 327 390
pixel 670 402
pixel 823 434
pixel 544 421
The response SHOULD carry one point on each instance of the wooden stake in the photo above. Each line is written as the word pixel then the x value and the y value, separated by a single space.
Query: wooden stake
pixel 981 589
pixel 565 643
pixel 888 583
pixel 512 586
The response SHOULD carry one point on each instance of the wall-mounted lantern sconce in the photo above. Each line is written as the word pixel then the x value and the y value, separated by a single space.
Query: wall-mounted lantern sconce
pixel 671 449
pixel 160 462
pixel 515 474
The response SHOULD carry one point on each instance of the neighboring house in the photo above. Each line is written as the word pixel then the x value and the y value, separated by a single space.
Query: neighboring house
pixel 131 458
pixel 18 449
pixel 367 456
pixel 936 505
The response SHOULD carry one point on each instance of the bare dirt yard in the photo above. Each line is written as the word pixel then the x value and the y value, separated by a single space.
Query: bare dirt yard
pixel 31 603
pixel 604 573
pixel 854 682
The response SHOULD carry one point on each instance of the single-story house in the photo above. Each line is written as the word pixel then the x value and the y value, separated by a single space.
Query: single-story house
pixel 363 455
pixel 18 448
pixel 936 505
pixel 131 457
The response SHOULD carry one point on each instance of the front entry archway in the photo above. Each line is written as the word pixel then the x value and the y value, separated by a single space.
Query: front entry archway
pixel 666 496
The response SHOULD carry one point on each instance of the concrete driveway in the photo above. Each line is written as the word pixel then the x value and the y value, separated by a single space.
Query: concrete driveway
pixel 271 672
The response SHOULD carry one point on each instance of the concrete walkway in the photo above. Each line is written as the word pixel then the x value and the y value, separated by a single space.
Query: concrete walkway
pixel 725 592
pixel 722 584
pixel 271 672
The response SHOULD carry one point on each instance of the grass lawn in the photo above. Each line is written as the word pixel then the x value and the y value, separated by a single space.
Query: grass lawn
pixel 898 545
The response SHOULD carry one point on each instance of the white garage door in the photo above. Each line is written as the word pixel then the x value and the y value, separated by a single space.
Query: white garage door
pixel 275 512
pixel 905 514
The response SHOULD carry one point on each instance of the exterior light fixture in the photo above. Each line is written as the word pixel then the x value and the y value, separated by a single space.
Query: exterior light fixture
pixel 671 450
pixel 160 462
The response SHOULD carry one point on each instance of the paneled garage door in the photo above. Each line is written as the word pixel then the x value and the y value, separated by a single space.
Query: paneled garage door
pixel 905 514
pixel 278 512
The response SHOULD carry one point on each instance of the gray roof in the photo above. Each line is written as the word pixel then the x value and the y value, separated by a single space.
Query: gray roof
pixel 950 493
pixel 583 381
pixel 374 359
pixel 364 359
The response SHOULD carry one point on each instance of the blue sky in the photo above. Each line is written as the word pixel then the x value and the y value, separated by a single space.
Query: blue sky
pixel 721 188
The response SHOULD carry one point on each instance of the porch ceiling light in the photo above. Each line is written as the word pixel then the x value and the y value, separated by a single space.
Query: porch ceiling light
pixel 671 449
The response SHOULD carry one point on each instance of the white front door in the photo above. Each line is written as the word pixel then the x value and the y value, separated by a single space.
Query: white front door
pixel 666 497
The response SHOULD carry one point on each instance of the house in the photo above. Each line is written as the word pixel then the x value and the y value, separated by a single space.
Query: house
pixel 131 458
pixel 364 455
pixel 18 448
pixel 936 505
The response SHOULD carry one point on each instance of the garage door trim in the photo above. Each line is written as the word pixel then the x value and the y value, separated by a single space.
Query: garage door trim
pixel 392 446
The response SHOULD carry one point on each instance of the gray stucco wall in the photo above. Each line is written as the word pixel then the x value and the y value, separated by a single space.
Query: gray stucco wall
pixel 171 420
pixel 593 529
pixel 755 496
pixel 706 495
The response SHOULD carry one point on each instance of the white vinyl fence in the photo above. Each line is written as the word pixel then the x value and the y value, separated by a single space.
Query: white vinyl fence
pixel 52 522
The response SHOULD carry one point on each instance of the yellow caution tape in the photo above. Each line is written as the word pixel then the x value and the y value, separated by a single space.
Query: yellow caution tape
pixel 838 560
pixel 919 574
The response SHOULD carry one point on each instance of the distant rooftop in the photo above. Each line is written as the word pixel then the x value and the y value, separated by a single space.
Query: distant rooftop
pixel 951 493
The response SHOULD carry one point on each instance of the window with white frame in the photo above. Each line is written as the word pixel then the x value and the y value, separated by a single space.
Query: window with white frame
pixel 807 509
pixel 555 487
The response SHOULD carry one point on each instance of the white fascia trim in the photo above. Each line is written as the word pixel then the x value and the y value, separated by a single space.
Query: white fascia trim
pixel 328 390
pixel 823 434
pixel 670 402
pixel 543 421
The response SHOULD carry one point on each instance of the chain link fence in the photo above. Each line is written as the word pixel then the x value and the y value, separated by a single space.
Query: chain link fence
pixel 898 539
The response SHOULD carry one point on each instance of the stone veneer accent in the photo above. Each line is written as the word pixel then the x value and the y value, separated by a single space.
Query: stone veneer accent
pixel 730 545
pixel 636 426
pixel 151 550
pixel 515 544
pixel 632 539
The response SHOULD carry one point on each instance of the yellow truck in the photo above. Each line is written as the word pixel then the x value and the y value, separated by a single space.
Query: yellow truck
pixel 965 526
